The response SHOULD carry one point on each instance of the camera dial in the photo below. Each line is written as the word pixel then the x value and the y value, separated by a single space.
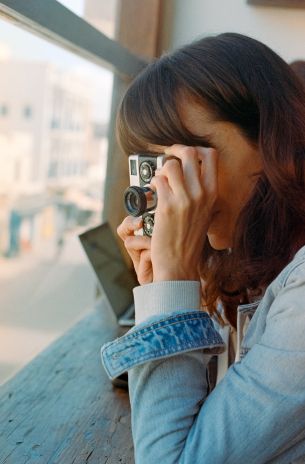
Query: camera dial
pixel 146 171
pixel 148 224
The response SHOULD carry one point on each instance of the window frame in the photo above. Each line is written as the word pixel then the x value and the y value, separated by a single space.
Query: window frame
pixel 56 23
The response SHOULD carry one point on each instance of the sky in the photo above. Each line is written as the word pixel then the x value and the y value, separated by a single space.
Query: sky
pixel 16 43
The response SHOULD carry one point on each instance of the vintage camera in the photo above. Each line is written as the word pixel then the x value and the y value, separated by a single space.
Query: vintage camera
pixel 139 199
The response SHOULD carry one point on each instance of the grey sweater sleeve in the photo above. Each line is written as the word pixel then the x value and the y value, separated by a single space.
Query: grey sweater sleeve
pixel 165 297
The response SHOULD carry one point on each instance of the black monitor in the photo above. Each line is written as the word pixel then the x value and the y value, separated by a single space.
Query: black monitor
pixel 113 274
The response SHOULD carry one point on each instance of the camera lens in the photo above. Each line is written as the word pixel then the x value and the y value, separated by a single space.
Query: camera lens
pixel 134 201
pixel 146 171
pixel 138 200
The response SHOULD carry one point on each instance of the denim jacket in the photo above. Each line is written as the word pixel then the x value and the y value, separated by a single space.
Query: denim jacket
pixel 256 412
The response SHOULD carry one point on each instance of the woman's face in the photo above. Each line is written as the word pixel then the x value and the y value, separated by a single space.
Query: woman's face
pixel 238 162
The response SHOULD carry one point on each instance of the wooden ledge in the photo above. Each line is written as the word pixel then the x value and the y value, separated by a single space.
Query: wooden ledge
pixel 62 408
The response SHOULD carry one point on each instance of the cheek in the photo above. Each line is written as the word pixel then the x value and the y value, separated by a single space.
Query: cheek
pixel 234 187
pixel 227 188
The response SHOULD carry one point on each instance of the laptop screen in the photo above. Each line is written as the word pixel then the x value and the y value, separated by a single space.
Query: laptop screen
pixel 114 276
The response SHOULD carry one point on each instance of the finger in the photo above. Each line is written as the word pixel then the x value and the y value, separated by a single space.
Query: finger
pixel 191 167
pixel 209 171
pixel 173 170
pixel 134 246
pixel 137 242
pixel 145 268
pixel 135 257
pixel 161 186
pixel 129 225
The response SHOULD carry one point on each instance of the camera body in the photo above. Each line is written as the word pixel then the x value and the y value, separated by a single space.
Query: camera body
pixel 139 199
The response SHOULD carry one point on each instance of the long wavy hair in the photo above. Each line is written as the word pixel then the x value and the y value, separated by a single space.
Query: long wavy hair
pixel 241 81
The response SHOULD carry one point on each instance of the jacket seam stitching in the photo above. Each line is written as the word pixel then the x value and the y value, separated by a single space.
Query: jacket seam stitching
pixel 200 314
pixel 289 272
pixel 154 326
pixel 211 342
pixel 163 352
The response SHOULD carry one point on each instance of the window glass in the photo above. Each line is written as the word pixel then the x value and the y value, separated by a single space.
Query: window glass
pixel 54 112
pixel 27 111
pixel 101 14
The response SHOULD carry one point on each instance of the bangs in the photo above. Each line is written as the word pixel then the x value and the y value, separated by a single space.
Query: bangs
pixel 149 112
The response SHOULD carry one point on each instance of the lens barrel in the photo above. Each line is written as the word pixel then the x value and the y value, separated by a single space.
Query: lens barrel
pixel 139 200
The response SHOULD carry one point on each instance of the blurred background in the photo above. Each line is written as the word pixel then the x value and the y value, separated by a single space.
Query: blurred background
pixel 61 171
pixel 54 116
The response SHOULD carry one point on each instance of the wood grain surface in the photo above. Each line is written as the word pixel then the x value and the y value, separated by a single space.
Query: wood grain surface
pixel 62 408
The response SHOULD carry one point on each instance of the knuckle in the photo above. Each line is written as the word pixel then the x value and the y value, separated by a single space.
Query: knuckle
pixel 172 162
pixel 120 231
pixel 183 150
pixel 128 242
pixel 166 209
pixel 198 196
pixel 212 151
pixel 121 228
pixel 190 152
pixel 184 204
pixel 174 148
pixel 158 180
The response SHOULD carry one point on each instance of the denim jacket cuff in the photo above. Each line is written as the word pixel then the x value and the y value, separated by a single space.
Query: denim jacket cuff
pixel 172 335
pixel 165 297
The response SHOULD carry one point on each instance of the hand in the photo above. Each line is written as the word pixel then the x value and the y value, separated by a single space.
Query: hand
pixel 138 248
pixel 187 191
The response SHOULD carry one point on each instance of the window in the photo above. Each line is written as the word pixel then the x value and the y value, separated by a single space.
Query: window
pixel 101 14
pixel 27 112
pixel 53 150
pixel 3 110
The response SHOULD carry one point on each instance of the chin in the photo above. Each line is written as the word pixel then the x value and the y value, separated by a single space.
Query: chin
pixel 220 232
pixel 219 243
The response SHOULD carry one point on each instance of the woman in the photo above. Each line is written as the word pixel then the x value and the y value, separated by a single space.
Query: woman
pixel 227 249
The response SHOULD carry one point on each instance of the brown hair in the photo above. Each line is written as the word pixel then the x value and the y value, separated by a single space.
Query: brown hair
pixel 298 67
pixel 242 81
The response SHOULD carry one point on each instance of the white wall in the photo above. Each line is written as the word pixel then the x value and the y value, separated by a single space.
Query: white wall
pixel 282 29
